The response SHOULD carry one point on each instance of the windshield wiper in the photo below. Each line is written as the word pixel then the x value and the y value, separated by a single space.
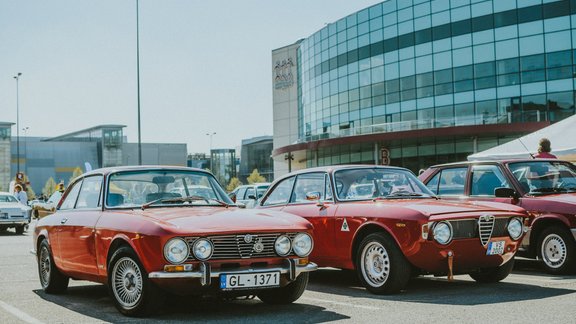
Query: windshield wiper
pixel 184 199
pixel 548 190
pixel 400 194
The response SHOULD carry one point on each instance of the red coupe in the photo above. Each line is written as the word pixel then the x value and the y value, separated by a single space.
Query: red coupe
pixel 546 188
pixel 142 232
pixel 384 223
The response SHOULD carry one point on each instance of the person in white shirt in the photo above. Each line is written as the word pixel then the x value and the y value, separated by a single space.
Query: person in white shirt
pixel 21 195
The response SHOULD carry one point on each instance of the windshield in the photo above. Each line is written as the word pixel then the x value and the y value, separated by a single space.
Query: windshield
pixel 370 183
pixel 163 188
pixel 8 198
pixel 541 177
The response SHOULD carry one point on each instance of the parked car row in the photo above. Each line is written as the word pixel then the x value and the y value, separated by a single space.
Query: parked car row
pixel 148 231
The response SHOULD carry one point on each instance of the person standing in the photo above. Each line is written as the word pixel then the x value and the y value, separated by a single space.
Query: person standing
pixel 544 149
pixel 21 195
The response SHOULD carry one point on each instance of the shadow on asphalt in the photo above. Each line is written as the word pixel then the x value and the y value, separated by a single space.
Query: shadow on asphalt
pixel 432 290
pixel 94 301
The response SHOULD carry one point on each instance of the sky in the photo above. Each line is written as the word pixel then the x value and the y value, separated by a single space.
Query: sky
pixel 205 66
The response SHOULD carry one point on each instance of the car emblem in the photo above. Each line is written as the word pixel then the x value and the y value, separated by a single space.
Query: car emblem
pixel 258 246
pixel 247 238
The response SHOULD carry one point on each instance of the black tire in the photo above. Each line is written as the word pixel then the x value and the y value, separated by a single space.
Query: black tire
pixel 491 275
pixel 287 294
pixel 133 294
pixel 557 250
pixel 381 266
pixel 51 279
pixel 20 229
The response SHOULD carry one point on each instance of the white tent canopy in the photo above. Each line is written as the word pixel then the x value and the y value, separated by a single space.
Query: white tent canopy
pixel 562 136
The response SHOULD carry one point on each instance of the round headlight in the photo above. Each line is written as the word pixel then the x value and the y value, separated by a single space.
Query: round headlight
pixel 302 244
pixel 443 233
pixel 176 250
pixel 515 228
pixel 282 245
pixel 202 249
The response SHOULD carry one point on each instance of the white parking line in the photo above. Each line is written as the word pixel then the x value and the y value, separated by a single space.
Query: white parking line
pixel 18 313
pixel 339 303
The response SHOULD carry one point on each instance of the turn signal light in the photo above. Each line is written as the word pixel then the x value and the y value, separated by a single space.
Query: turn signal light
pixel 303 261
pixel 178 268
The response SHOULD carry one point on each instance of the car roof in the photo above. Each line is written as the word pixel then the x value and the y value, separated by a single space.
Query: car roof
pixel 334 168
pixel 461 163
pixel 109 170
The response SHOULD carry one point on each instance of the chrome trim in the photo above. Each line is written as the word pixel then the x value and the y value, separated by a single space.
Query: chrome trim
pixel 204 273
pixel 573 230
pixel 485 228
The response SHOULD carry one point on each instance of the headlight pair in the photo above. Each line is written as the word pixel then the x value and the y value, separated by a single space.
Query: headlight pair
pixel 177 250
pixel 301 245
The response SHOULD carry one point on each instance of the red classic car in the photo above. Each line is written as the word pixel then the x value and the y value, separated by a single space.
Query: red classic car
pixel 384 223
pixel 546 188
pixel 140 231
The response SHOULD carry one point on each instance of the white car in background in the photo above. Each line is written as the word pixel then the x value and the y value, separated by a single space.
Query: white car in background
pixel 249 194
pixel 13 214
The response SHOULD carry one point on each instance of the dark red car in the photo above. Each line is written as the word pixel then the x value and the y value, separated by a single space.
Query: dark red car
pixel 545 188
pixel 142 232
pixel 384 223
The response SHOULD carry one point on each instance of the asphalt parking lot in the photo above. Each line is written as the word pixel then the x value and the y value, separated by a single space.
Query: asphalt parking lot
pixel 526 296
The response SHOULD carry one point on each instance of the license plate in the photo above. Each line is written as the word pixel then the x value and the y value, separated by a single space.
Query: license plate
pixel 231 281
pixel 495 248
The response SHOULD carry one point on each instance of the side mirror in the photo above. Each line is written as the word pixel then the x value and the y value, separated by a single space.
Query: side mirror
pixel 506 193
pixel 251 197
pixel 240 205
pixel 313 196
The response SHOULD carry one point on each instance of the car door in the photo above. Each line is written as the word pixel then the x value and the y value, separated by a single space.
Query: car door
pixel 320 211
pixel 79 214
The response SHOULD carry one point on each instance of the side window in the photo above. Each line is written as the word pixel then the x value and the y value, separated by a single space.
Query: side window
pixel 486 178
pixel 241 193
pixel 280 194
pixel 433 183
pixel 306 183
pixel 452 182
pixel 250 191
pixel 329 195
pixel 89 196
pixel 70 200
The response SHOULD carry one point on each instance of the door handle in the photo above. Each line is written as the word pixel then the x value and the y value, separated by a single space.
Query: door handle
pixel 64 220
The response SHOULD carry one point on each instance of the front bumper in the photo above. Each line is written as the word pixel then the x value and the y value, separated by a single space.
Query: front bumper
pixel 205 273
pixel 13 222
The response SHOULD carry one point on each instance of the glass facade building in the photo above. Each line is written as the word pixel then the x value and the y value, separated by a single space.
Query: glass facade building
pixel 431 81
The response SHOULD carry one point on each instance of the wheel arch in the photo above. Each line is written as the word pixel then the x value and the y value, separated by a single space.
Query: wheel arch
pixel 539 225
pixel 366 230
pixel 116 243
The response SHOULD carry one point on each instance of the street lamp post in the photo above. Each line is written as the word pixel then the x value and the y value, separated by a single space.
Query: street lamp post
pixel 138 84
pixel 17 77
pixel 211 134
pixel 25 130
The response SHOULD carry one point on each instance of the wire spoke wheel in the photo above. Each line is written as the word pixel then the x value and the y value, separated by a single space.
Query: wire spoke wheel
pixel 554 251
pixel 375 264
pixel 127 282
pixel 45 264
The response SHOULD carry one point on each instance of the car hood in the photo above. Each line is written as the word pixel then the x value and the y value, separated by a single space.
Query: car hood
pixel 418 208
pixel 12 205
pixel 442 207
pixel 222 220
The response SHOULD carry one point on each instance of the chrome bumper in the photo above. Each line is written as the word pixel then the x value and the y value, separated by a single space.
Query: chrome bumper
pixel 205 273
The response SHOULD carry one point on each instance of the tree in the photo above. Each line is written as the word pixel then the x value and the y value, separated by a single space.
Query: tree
pixel 234 183
pixel 49 187
pixel 255 177
pixel 76 173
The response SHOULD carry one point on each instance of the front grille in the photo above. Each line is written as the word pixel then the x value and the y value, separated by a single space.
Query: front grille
pixel 485 227
pixel 469 228
pixel 241 246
